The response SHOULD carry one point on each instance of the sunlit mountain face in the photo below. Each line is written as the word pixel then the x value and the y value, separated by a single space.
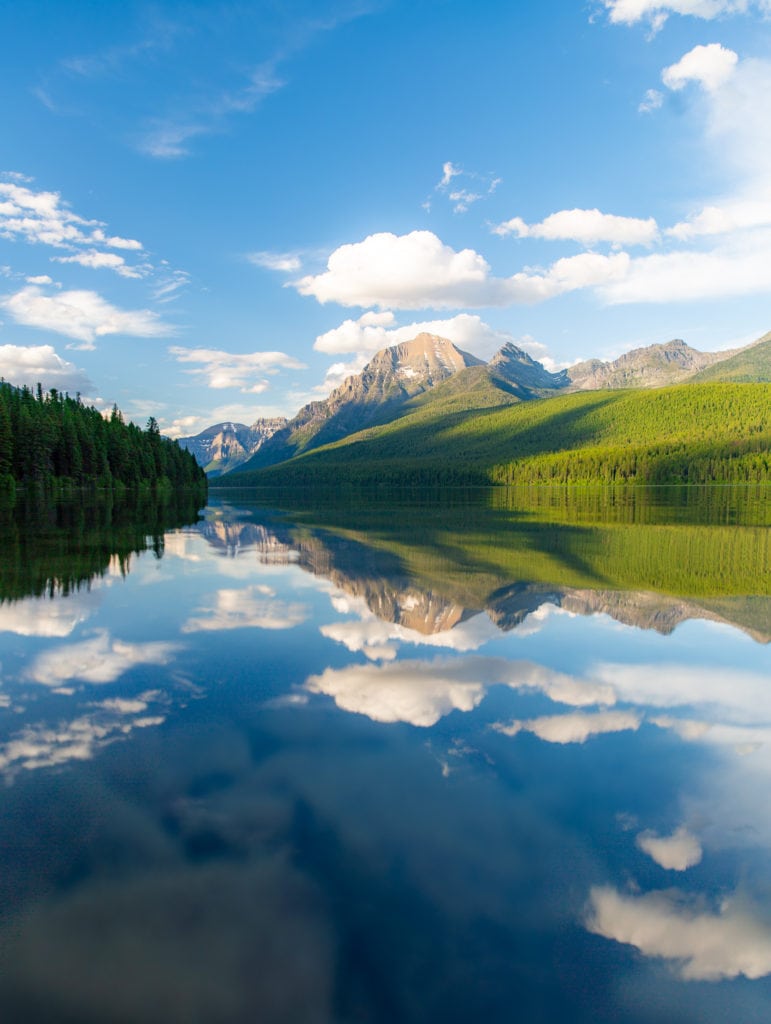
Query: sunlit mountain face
pixel 388 762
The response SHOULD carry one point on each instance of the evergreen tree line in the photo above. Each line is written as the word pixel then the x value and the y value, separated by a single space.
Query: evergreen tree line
pixel 51 438
pixel 57 546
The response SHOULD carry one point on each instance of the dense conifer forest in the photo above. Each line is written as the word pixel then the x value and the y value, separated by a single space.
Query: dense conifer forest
pixel 687 433
pixel 49 438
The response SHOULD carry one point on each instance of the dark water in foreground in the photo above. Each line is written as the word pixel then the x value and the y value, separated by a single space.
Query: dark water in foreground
pixel 499 760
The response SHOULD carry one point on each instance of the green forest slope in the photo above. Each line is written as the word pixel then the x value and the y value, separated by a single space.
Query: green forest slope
pixel 691 433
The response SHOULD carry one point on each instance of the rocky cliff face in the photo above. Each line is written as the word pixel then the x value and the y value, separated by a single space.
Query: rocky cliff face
pixel 650 367
pixel 373 396
pixel 224 445
pixel 515 366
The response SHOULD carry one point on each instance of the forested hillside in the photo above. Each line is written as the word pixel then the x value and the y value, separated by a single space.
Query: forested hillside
pixel 48 437
pixel 691 433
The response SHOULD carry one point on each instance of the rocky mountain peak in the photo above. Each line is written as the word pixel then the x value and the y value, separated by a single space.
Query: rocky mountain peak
pixel 514 365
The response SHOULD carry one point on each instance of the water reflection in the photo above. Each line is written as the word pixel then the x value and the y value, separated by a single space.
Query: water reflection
pixel 337 766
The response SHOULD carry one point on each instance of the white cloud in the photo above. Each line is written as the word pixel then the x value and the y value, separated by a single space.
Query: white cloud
pixel 629 12
pixel 741 265
pixel 652 100
pixel 422 692
pixel 42 746
pixel 575 727
pixel 185 426
pixel 96 660
pixel 676 852
pixel 81 314
pixel 461 198
pixel 408 271
pixel 288 262
pixel 727 697
pixel 39 279
pixel 738 130
pixel 400 692
pixel 449 171
pixel 707 946
pixel 417 271
pixel 44 218
pixel 246 609
pixel 585 226
pixel 167 140
pixel 20 364
pixel 103 260
pixel 40 616
pixel 169 283
pixel 377 639
pixel 711 66
pixel 375 331
pixel 115 241
pixel 230 370
pixel 724 219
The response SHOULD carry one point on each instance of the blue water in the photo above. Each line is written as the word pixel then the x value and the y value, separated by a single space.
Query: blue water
pixel 277 771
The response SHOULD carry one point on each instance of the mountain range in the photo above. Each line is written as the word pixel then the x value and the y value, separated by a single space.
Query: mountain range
pixel 399 378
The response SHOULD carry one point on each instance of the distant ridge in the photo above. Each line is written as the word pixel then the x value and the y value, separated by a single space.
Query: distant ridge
pixel 223 446
pixel 748 365
pixel 430 371
pixel 650 367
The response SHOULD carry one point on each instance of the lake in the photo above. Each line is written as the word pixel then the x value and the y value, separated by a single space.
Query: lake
pixel 498 756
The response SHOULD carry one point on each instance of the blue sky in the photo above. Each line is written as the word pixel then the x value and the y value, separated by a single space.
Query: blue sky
pixel 216 211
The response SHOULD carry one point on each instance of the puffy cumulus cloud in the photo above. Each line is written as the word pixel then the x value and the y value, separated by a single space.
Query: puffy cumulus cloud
pixel 83 315
pixel 249 608
pixel 40 616
pixel 285 262
pixel 422 692
pixel 231 370
pixel 576 727
pixel 403 691
pixel 30 364
pixel 374 331
pixel 410 271
pixel 710 66
pixel 417 271
pixel 99 659
pixel 675 852
pixel 185 426
pixel 629 12
pixel 585 226
pixel 707 946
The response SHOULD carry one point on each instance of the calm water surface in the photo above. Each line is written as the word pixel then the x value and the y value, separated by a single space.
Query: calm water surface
pixel 504 760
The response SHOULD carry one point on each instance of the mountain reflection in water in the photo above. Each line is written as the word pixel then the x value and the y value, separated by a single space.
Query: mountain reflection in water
pixel 396 762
